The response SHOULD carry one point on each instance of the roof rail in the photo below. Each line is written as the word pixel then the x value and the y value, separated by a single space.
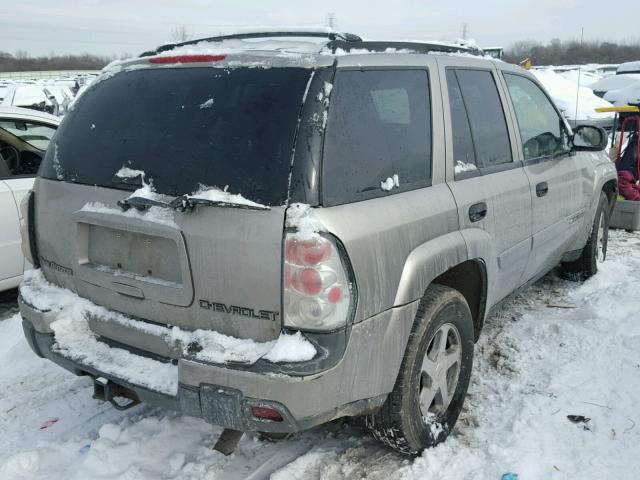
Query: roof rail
pixel 330 36
pixel 419 47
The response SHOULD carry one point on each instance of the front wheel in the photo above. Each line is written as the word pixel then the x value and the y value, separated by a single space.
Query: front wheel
pixel 433 379
pixel 595 250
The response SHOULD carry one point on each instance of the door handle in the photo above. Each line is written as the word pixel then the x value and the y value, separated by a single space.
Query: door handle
pixel 542 189
pixel 477 212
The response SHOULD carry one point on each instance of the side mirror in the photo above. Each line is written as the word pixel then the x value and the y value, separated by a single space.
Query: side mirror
pixel 589 138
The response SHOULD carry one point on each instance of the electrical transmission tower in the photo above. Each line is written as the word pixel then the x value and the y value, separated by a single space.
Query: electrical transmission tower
pixel 465 31
pixel 331 20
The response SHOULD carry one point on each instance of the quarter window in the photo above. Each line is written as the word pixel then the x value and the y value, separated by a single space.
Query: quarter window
pixel 379 128
pixel 542 131
pixel 474 93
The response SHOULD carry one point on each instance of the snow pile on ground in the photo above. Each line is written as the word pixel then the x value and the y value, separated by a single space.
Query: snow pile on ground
pixel 75 339
pixel 564 93
pixel 535 364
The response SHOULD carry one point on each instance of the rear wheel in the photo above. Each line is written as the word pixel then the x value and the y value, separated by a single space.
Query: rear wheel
pixel 595 251
pixel 433 379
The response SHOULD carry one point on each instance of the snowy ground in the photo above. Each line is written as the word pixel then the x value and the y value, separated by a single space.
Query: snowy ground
pixel 534 365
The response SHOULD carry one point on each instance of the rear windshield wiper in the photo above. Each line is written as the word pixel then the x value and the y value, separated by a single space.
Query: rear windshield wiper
pixel 183 203
pixel 141 203
pixel 186 202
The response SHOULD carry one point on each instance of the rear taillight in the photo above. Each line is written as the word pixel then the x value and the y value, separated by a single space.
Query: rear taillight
pixel 25 209
pixel 264 413
pixel 317 290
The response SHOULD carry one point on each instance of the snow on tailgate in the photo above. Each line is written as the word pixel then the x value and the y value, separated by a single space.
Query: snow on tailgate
pixel 75 340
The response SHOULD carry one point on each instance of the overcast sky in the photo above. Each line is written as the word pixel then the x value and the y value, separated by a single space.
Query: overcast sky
pixel 118 26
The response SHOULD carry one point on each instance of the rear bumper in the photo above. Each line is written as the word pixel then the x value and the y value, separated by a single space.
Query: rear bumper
pixel 358 383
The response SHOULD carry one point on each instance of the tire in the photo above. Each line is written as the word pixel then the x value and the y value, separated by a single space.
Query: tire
pixel 400 423
pixel 595 250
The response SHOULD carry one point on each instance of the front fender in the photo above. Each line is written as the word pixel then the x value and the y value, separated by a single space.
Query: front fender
pixel 605 171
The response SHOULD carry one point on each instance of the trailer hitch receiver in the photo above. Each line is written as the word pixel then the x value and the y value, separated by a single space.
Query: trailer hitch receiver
pixel 120 397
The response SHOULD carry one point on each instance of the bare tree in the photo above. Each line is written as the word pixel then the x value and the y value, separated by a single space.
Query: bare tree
pixel 23 62
pixel 180 34
pixel 571 52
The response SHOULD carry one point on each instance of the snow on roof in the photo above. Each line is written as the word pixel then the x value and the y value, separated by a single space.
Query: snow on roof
pixel 286 28
pixel 564 92
pixel 283 47
pixel 587 78
pixel 629 67
pixel 629 95
pixel 615 81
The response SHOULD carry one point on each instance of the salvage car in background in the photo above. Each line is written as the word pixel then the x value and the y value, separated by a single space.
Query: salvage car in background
pixel 49 98
pixel 24 137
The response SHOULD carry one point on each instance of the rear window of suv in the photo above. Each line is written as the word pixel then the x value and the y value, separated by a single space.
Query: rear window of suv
pixel 185 127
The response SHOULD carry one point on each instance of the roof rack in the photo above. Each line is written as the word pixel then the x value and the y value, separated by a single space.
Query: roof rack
pixel 381 46
pixel 330 36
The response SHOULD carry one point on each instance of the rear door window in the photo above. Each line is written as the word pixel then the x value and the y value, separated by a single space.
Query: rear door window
pixel 473 96
pixel 464 154
pixel 378 138
pixel 542 130
pixel 185 128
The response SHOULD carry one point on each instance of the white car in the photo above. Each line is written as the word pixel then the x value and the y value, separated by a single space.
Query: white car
pixel 24 137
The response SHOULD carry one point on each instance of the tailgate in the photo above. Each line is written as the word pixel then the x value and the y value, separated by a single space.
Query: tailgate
pixel 211 268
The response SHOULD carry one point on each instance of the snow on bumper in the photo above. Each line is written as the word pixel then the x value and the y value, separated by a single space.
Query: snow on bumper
pixel 64 328
pixel 77 322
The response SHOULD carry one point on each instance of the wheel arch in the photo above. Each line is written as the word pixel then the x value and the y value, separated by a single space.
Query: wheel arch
pixel 427 262
pixel 610 188
pixel 447 261
pixel 470 279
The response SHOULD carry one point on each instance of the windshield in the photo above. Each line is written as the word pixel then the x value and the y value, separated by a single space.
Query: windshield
pixel 185 128
pixel 37 135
